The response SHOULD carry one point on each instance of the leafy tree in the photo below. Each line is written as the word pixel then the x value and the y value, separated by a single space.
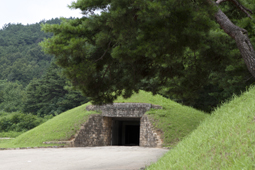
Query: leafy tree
pixel 49 96
pixel 12 95
pixel 177 48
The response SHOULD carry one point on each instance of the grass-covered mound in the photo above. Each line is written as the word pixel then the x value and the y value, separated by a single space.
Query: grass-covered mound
pixel 226 140
pixel 61 127
pixel 174 120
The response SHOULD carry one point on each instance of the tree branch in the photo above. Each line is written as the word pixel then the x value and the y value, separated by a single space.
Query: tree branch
pixel 241 7
pixel 220 1
pixel 241 37
pixel 104 52
pixel 109 66
pixel 99 84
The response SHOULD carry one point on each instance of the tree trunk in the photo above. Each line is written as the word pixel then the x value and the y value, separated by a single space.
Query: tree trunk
pixel 240 35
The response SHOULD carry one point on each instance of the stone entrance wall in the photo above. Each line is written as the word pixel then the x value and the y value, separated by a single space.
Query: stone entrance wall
pixel 149 137
pixel 96 132
pixel 98 129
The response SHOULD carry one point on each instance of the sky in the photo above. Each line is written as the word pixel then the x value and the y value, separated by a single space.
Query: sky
pixel 33 11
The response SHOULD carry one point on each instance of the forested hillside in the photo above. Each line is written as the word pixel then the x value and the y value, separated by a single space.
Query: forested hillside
pixel 31 86
pixel 21 59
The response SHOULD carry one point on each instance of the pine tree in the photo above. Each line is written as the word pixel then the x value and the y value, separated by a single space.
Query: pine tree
pixel 49 96
pixel 152 45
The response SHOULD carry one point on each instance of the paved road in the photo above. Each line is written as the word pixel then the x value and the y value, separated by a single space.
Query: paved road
pixel 88 158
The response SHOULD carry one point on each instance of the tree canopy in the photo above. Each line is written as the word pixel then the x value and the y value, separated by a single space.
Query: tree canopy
pixel 176 47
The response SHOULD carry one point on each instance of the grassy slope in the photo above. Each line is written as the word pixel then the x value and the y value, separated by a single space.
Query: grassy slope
pixel 174 119
pixel 61 127
pixel 224 141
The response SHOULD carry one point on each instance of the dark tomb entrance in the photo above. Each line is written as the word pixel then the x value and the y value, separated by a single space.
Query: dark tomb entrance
pixel 126 131
pixel 132 135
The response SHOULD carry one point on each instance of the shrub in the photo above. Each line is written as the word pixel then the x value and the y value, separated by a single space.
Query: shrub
pixel 20 122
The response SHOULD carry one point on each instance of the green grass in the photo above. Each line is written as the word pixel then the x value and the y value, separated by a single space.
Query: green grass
pixel 61 127
pixel 3 141
pixel 174 120
pixel 226 140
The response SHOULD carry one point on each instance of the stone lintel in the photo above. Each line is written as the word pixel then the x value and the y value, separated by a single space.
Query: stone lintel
pixel 123 109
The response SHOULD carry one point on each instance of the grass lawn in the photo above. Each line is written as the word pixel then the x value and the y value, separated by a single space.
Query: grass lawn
pixel 226 140
pixel 174 120
pixel 2 141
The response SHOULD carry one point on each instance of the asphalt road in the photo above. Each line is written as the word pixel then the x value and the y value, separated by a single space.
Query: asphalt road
pixel 87 158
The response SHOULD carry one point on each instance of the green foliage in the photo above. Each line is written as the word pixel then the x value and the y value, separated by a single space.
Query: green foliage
pixel 12 96
pixel 212 74
pixel 21 59
pixel 169 47
pixel 223 141
pixel 22 62
pixel 19 122
pixel 129 44
pixel 26 83
pixel 49 96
